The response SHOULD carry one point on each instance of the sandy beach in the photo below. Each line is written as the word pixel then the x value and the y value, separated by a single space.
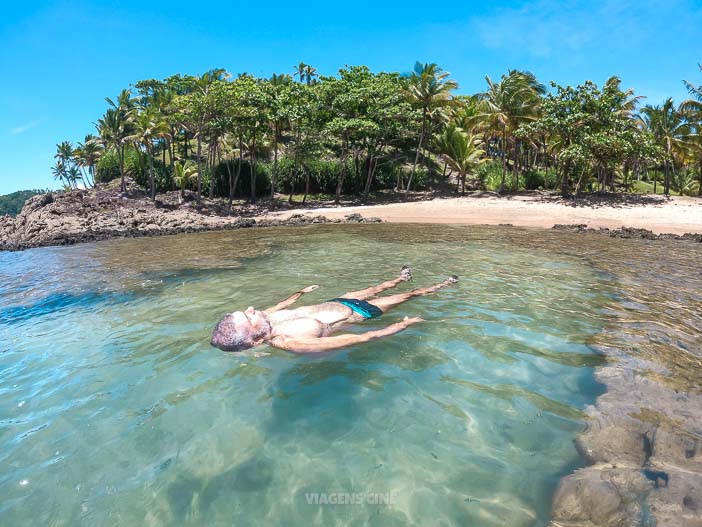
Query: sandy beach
pixel 675 215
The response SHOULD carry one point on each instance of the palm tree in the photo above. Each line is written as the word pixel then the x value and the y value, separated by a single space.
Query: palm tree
pixel 183 175
pixel 59 172
pixel 509 103
pixel 74 176
pixel 429 88
pixel 64 162
pixel 305 73
pixel 310 74
pixel 116 128
pixel 87 155
pixel 149 125
pixel 668 127
pixel 461 151
pixel 693 111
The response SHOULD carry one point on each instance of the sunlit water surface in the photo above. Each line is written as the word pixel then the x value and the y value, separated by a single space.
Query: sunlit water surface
pixel 116 411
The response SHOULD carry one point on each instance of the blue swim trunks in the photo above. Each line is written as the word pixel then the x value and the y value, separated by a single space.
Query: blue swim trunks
pixel 363 308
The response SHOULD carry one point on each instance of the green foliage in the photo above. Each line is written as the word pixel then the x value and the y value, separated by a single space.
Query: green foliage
pixel 360 130
pixel 489 175
pixel 594 130
pixel 134 166
pixel 12 203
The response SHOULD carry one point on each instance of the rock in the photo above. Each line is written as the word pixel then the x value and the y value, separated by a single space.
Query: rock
pixel 624 442
pixel 594 496
pixel 105 212
pixel 628 232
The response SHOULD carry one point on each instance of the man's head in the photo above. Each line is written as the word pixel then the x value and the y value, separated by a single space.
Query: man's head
pixel 241 330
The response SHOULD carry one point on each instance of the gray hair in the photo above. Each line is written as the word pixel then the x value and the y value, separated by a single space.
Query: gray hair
pixel 227 336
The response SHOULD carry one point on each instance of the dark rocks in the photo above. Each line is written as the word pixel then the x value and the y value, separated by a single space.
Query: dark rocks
pixel 628 232
pixel 104 212
pixel 357 218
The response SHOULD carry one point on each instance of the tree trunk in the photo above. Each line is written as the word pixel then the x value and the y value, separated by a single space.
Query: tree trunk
pixel 152 179
pixel 340 179
pixel 210 163
pixel 515 167
pixel 252 169
pixel 274 176
pixel 699 189
pixel 292 187
pixel 504 158
pixel 231 187
pixel 307 185
pixel 564 182
pixel 123 186
pixel 199 166
pixel 419 148
pixel 369 180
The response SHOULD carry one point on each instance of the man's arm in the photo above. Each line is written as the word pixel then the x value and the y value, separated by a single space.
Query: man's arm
pixel 292 298
pixel 316 345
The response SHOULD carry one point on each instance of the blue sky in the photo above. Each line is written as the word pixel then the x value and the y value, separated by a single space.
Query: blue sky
pixel 60 59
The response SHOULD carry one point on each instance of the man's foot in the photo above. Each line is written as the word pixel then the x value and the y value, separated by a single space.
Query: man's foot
pixel 406 273
pixel 453 279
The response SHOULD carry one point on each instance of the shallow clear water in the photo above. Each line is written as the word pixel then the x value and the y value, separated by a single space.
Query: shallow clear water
pixel 114 409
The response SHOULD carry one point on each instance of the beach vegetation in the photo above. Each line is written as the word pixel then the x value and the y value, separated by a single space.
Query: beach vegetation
pixel 360 131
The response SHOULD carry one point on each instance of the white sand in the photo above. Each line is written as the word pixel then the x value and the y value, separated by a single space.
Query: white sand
pixel 677 215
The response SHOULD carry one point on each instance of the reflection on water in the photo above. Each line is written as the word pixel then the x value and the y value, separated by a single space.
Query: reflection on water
pixel 115 410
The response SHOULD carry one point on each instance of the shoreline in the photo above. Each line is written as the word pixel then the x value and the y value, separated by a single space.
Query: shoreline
pixel 103 213
pixel 673 215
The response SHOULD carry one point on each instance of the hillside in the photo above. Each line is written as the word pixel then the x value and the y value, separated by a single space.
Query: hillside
pixel 12 203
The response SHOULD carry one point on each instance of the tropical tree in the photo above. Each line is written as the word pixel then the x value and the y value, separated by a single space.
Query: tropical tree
pixel 184 175
pixel 429 89
pixel 507 104
pixel 116 128
pixel 693 112
pixel 461 151
pixel 669 127
pixel 87 155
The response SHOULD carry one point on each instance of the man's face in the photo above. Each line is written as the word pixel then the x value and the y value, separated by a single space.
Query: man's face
pixel 251 319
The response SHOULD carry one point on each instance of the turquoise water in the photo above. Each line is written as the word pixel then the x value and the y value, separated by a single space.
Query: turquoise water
pixel 116 411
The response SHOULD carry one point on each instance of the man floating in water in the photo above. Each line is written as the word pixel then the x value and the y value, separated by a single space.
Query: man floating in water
pixel 309 329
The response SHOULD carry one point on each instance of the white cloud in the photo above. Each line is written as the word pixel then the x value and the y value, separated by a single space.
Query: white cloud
pixel 546 28
pixel 23 127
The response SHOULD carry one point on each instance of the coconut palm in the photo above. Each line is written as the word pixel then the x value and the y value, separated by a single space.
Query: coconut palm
pixel 508 103
pixel 305 73
pixel 87 155
pixel 461 151
pixel 148 126
pixel 693 112
pixel 116 128
pixel 184 175
pixel 668 127
pixel 429 88
pixel 59 172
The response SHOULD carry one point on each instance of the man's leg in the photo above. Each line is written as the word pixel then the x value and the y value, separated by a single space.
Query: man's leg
pixel 364 294
pixel 387 302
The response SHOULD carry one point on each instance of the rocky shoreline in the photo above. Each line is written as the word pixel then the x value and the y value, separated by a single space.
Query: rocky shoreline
pixel 628 232
pixel 101 213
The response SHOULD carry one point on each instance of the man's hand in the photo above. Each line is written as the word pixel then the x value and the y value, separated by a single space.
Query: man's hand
pixel 309 289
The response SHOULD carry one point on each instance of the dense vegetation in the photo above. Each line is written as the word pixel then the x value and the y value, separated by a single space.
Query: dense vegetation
pixel 361 131
pixel 12 203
